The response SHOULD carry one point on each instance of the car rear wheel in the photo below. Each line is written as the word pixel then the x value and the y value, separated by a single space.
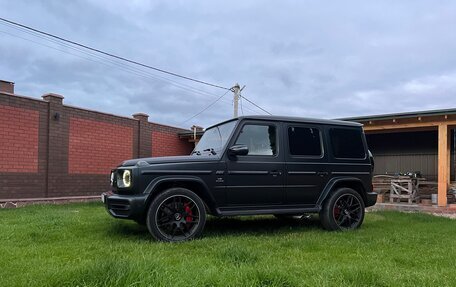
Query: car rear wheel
pixel 177 214
pixel 343 210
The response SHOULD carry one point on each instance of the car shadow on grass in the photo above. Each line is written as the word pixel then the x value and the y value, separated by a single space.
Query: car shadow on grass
pixel 127 230
pixel 226 226
pixel 261 225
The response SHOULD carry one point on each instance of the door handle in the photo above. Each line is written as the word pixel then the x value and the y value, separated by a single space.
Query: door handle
pixel 275 172
pixel 322 173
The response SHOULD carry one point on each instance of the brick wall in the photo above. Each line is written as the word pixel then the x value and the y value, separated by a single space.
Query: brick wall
pixel 48 149
pixel 166 142
pixel 18 140
pixel 95 147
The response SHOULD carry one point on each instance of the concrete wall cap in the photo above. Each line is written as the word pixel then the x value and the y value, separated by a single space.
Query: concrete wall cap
pixel 52 95
pixel 140 115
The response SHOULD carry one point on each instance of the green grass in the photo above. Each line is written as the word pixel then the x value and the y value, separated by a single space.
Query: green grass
pixel 80 245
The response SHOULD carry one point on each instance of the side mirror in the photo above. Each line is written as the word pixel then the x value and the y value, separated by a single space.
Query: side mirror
pixel 239 149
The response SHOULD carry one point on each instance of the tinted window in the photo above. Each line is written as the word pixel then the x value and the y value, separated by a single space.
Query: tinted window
pixel 304 141
pixel 347 143
pixel 260 139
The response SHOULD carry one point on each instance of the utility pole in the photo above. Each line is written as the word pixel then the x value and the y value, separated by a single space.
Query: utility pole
pixel 236 89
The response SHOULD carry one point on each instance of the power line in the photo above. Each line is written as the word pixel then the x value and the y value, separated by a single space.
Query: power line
pixel 64 42
pixel 203 110
pixel 113 55
pixel 124 67
pixel 242 109
pixel 109 63
pixel 256 105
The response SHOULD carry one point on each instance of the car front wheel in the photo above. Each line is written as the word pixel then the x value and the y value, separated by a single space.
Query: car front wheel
pixel 343 210
pixel 176 214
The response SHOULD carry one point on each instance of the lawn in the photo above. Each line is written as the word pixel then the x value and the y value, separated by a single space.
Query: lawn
pixel 80 245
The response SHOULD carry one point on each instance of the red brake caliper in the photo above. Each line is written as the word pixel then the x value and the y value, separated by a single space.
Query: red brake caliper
pixel 188 211
pixel 336 211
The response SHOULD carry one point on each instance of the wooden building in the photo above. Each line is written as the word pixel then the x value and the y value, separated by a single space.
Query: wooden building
pixel 416 141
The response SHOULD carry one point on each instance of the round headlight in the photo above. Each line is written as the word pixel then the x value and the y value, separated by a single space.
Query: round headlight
pixel 126 178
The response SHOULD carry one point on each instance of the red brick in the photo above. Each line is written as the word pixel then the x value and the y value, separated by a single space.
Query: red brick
pixel 97 147
pixel 19 139
pixel 169 144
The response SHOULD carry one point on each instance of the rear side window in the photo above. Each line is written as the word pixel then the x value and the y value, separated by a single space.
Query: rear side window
pixel 347 143
pixel 304 141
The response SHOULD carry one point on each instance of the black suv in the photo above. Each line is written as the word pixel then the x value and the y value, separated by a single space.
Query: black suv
pixel 246 166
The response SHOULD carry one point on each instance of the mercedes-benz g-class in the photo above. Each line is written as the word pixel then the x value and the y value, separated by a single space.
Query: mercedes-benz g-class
pixel 248 166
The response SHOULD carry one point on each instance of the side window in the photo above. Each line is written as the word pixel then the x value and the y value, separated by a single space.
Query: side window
pixel 304 141
pixel 347 143
pixel 260 139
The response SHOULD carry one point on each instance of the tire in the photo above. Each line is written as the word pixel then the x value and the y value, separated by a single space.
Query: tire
pixel 176 215
pixel 343 210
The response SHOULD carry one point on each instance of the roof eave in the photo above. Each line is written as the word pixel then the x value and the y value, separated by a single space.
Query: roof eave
pixel 417 114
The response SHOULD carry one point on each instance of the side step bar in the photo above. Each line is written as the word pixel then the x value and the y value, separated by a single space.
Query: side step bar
pixel 245 211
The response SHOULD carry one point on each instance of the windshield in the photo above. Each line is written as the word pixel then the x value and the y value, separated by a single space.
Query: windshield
pixel 214 139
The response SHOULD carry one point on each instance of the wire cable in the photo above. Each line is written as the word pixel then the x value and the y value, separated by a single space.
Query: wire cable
pixel 113 55
pixel 242 109
pixel 203 110
pixel 112 62
pixel 127 68
pixel 257 106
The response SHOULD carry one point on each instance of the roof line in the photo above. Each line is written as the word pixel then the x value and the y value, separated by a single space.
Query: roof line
pixel 290 119
pixel 402 115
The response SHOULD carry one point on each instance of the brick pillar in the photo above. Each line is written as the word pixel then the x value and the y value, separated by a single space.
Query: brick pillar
pixel 6 87
pixel 144 131
pixel 196 129
pixel 57 147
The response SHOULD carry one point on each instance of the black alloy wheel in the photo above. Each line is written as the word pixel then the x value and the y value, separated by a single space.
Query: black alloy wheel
pixel 347 211
pixel 343 210
pixel 176 215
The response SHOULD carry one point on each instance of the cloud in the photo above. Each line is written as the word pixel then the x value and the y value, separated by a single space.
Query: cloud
pixel 406 96
pixel 300 58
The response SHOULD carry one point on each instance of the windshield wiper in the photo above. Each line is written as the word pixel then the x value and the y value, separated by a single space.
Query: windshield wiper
pixel 211 150
pixel 197 152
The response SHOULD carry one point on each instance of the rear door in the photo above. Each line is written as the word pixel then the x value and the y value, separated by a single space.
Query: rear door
pixel 306 168
pixel 348 154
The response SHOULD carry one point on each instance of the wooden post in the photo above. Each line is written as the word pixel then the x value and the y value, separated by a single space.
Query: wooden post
pixel 443 164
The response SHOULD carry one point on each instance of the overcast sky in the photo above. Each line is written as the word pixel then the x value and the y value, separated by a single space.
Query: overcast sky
pixel 326 59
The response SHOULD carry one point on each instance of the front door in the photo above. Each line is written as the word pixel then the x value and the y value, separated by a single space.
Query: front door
pixel 258 177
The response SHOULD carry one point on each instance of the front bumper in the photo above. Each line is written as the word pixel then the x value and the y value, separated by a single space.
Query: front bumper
pixel 371 199
pixel 125 206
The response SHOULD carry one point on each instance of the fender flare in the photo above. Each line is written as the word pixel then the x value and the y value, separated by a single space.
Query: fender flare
pixel 206 196
pixel 333 182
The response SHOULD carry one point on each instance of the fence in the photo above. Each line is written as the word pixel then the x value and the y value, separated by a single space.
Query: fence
pixel 48 149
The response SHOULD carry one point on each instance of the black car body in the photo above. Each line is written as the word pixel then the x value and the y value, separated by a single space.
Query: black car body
pixel 247 166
